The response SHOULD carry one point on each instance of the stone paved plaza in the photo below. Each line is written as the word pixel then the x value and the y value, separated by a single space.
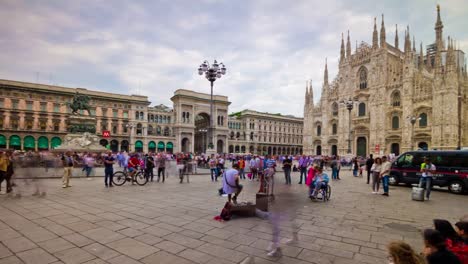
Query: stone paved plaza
pixel 173 223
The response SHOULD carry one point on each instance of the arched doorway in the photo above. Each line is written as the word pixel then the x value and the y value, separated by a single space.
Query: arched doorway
pixel 251 149
pixel 55 142
pixel 103 142
pixel 395 149
pixel 161 146
pixel 152 146
pixel 219 146
pixel 42 143
pixel 269 151
pixel 169 147
pixel 202 124
pixel 334 150
pixel 138 146
pixel 274 151
pixel 185 145
pixel 243 149
pixel 15 142
pixel 114 145
pixel 124 145
pixel 361 147
pixel 423 146
pixel 2 141
pixel 231 149
pixel 29 143
pixel 237 149
pixel 318 150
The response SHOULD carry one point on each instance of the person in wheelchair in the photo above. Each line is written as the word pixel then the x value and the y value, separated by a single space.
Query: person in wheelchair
pixel 320 181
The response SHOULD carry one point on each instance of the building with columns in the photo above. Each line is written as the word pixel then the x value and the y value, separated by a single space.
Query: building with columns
pixel 34 117
pixel 391 86
pixel 264 133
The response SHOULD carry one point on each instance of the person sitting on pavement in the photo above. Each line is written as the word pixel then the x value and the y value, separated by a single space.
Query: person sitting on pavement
pixel 320 181
pixel 435 249
pixel 400 252
pixel 462 230
pixel 231 183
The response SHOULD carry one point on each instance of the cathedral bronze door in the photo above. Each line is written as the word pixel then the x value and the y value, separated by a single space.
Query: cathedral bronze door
pixel 395 149
pixel 361 147
pixel 334 150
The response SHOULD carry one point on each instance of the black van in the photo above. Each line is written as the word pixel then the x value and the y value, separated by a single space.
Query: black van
pixel 451 169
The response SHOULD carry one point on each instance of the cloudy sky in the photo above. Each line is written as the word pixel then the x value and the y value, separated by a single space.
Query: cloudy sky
pixel 153 47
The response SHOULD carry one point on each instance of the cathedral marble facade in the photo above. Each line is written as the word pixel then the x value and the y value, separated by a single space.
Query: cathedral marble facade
pixel 390 87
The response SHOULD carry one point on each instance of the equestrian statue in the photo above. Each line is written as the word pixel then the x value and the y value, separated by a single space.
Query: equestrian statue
pixel 80 102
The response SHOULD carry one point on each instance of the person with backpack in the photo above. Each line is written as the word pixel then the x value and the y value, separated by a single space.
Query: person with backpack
pixel 149 166
pixel 231 183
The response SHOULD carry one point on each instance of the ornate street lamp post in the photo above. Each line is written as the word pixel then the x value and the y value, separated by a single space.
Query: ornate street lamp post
pixel 413 120
pixel 131 126
pixel 349 103
pixel 212 73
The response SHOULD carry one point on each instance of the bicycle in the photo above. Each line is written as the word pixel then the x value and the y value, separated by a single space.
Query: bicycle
pixel 121 177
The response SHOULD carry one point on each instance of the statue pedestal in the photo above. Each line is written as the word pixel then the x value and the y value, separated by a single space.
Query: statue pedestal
pixel 85 142
pixel 210 151
pixel 81 124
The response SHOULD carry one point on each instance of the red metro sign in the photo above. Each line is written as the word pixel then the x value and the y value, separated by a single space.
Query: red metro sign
pixel 105 133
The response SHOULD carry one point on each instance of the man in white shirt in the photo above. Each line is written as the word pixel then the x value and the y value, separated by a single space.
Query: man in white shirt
pixel 427 169
pixel 385 174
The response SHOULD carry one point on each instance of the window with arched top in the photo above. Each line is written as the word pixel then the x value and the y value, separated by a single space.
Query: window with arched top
pixel 395 122
pixel 319 130
pixel 362 109
pixel 334 129
pixel 335 109
pixel 396 99
pixel 423 120
pixel 362 78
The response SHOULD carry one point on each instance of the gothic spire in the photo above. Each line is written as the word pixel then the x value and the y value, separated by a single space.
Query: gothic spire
pixel 383 41
pixel 311 93
pixel 325 74
pixel 348 47
pixel 421 57
pixel 438 28
pixel 414 44
pixel 396 36
pixel 375 41
pixel 342 51
pixel 307 93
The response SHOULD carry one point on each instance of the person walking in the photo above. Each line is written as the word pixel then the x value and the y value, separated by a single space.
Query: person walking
pixel 231 183
pixel 369 163
pixel 334 165
pixel 338 167
pixel 385 174
pixel 212 165
pixel 241 163
pixel 149 166
pixel 355 167
pixel 303 163
pixel 68 164
pixel 287 162
pixel 376 168
pixel 427 169
pixel 108 169
pixel 4 163
pixel 161 167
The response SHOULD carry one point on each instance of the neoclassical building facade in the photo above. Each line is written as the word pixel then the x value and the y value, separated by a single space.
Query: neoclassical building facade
pixel 35 117
pixel 264 133
pixel 390 87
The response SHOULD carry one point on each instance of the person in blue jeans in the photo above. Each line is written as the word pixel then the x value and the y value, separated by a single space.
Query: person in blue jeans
pixel 427 169
pixel 108 169
pixel 385 174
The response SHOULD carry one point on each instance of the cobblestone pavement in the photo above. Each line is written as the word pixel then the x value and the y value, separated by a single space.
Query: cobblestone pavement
pixel 173 223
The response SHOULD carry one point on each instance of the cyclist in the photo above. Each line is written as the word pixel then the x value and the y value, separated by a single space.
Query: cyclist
pixel 133 164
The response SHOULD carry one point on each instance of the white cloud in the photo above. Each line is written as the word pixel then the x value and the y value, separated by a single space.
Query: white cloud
pixel 269 47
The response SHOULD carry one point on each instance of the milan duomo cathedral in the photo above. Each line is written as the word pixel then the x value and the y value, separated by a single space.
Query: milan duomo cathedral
pixel 401 99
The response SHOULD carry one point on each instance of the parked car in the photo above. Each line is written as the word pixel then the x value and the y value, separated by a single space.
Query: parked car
pixel 451 169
